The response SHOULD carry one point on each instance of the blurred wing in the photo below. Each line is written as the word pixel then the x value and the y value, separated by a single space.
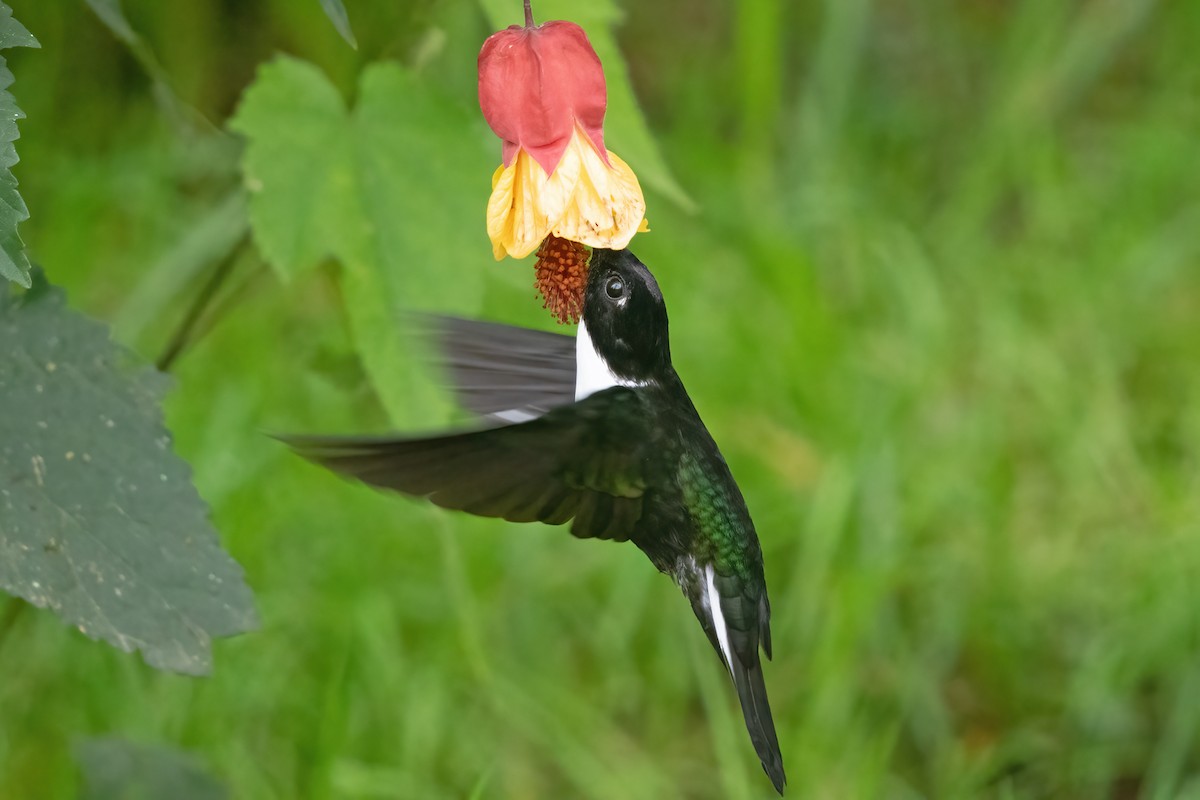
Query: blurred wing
pixel 501 371
pixel 584 462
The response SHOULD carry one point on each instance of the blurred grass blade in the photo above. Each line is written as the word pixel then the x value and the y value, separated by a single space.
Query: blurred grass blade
pixel 14 262
pixel 336 11
pixel 113 17
pixel 206 241
pixel 184 117
pixel 479 791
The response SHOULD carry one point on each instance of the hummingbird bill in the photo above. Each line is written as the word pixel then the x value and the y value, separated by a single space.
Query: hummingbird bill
pixel 598 432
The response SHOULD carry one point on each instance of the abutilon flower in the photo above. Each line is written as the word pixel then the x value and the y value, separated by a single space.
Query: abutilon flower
pixel 542 91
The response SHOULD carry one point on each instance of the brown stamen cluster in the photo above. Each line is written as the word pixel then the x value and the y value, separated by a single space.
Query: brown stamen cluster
pixel 562 268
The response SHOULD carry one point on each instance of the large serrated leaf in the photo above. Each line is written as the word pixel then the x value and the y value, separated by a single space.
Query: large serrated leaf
pixel 14 263
pixel 394 190
pixel 99 520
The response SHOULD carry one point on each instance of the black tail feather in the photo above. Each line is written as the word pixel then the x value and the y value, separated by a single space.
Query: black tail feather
pixel 752 692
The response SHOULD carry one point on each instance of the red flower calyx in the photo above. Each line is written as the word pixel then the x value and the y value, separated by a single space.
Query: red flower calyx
pixel 536 83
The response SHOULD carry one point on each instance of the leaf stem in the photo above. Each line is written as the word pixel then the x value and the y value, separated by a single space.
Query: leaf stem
pixel 183 334
pixel 528 15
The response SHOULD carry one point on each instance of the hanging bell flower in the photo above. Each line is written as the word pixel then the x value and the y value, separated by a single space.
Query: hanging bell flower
pixel 542 91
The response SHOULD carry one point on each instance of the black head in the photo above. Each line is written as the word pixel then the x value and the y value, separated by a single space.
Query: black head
pixel 626 317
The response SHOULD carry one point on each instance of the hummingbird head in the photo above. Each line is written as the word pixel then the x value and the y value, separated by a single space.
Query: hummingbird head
pixel 625 317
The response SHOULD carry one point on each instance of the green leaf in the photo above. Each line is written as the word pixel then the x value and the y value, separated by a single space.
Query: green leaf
pixel 299 165
pixel 115 768
pixel 625 130
pixel 340 19
pixel 395 191
pixel 99 520
pixel 14 263
pixel 13 33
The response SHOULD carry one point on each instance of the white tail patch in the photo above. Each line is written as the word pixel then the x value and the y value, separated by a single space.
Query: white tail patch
pixel 714 608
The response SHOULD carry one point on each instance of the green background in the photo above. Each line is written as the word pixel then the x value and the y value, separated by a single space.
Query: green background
pixel 933 271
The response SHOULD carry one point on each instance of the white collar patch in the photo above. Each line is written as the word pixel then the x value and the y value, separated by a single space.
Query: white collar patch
pixel 592 373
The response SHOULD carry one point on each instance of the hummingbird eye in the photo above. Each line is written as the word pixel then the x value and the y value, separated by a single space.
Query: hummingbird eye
pixel 615 288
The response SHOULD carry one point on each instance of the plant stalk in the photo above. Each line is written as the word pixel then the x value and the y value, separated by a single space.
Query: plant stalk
pixel 183 334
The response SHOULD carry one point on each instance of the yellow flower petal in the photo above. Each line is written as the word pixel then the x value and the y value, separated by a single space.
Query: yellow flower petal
pixel 499 209
pixel 607 207
pixel 529 218
pixel 522 204
pixel 585 200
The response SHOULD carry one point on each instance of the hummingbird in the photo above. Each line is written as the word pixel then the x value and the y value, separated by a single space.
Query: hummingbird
pixel 625 457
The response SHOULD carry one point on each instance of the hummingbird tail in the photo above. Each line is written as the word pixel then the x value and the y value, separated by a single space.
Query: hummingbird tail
pixel 738 648
pixel 752 692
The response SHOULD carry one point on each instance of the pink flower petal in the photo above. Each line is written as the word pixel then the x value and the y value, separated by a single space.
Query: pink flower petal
pixel 536 84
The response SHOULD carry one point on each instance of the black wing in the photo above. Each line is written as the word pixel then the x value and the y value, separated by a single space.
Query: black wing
pixel 585 462
pixel 502 371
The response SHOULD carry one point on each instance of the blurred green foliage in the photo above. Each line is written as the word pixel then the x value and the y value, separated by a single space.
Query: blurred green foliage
pixel 939 302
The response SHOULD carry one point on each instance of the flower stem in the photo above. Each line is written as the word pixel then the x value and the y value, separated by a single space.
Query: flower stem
pixel 528 15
